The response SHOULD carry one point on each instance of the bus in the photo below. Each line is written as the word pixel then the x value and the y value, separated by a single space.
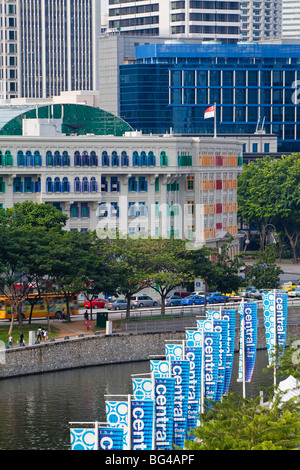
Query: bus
pixel 57 303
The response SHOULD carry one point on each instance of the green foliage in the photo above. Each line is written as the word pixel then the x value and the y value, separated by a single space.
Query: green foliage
pixel 33 215
pixel 265 274
pixel 241 424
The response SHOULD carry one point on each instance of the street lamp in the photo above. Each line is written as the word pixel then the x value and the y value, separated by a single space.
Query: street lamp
pixel 247 241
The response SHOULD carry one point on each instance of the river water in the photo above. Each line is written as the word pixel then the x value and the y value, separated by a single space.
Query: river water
pixel 35 411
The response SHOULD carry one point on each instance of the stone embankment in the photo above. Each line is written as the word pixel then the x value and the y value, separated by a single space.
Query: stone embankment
pixel 95 350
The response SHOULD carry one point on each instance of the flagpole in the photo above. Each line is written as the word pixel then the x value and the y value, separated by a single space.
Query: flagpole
pixel 215 120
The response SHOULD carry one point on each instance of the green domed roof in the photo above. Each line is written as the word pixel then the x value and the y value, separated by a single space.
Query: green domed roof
pixel 76 119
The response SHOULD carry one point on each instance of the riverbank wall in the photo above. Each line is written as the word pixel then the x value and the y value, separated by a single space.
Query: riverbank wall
pixel 98 350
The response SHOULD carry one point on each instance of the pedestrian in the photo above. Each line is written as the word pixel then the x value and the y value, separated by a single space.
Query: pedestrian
pixel 88 324
pixel 63 314
pixel 39 334
pixel 45 333
pixel 86 315
pixel 21 338
pixel 10 341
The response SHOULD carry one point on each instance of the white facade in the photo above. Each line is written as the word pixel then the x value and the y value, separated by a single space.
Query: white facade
pixel 208 20
pixel 260 19
pixel 290 19
pixel 139 184
pixel 48 46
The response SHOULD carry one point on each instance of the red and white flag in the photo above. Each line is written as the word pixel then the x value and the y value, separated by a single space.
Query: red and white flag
pixel 210 112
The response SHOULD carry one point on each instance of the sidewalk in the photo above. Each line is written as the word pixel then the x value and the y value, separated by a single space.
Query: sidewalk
pixel 73 328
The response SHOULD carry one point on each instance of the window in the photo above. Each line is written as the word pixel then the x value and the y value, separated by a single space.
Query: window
pixel 114 184
pixel 105 159
pixel 93 185
pixel 143 185
pixel 77 158
pixel 77 185
pixel 151 159
pixel 135 159
pixel 190 207
pixel 57 185
pixel 65 185
pixel 49 185
pixel 85 210
pixel 65 158
pixel 85 185
pixel 143 159
pixel 8 158
pixel 85 159
pixel 74 210
pixel 114 209
pixel 124 159
pixel 163 159
pixel 267 147
pixel 254 147
pixel 20 158
pixel 131 209
pixel 143 210
pixel 57 158
pixel 93 159
pixel 103 184
pixel 28 185
pixel 157 184
pixel 18 185
pixel 49 158
pixel 132 184
pixel 114 159
pixel 190 183
pixel 37 158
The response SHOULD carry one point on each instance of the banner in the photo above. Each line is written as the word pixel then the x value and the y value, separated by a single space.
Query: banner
pixel 229 315
pixel 210 364
pixel 194 356
pixel 180 370
pixel 85 439
pixel 142 389
pixel 160 368
pixel 221 327
pixel 117 415
pixel 174 351
pixel 164 391
pixel 275 306
pixel 142 422
pixel 193 338
pixel 248 340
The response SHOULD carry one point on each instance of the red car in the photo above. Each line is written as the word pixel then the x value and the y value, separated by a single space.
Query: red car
pixel 97 303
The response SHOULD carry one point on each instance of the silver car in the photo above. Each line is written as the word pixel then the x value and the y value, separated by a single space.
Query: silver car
pixel 119 304
pixel 143 301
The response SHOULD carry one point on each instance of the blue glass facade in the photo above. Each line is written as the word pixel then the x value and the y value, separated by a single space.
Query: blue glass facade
pixel 171 85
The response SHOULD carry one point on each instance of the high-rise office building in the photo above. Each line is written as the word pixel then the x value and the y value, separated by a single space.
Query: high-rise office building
pixel 290 18
pixel 48 46
pixel 207 20
pixel 260 19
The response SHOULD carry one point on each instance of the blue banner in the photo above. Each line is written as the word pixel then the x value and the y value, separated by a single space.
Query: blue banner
pixel 111 438
pixel 229 315
pixel 193 338
pixel 164 391
pixel 221 327
pixel 194 356
pixel 117 416
pixel 211 360
pixel 142 389
pixel 160 368
pixel 275 306
pixel 108 439
pixel 142 422
pixel 174 351
pixel 248 340
pixel 180 370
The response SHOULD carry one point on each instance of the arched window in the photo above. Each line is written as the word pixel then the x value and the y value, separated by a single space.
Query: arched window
pixel 37 158
pixel 93 185
pixel 65 185
pixel 49 158
pixel 93 159
pixel 135 159
pixel 143 159
pixel 57 185
pixel 124 159
pixel 85 185
pixel 114 159
pixel 29 159
pixel 85 159
pixel 49 185
pixel 2 160
pixel 65 158
pixel 105 158
pixel 151 159
pixel 57 158
pixel 163 159
pixel 20 158
pixel 77 185
pixel 18 185
pixel 8 158
pixel 77 158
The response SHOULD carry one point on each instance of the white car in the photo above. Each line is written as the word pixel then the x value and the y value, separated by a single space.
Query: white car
pixel 142 301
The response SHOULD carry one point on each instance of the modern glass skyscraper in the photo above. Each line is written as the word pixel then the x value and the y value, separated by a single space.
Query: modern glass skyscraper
pixel 207 20
pixel 48 46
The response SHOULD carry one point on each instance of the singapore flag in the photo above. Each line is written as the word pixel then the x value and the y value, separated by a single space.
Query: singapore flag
pixel 210 112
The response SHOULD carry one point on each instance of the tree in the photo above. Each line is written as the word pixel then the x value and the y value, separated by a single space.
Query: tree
pixel 169 265
pixel 226 276
pixel 236 423
pixel 265 274
pixel 29 215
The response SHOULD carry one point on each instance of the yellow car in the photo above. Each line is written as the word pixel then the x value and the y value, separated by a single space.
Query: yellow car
pixel 289 286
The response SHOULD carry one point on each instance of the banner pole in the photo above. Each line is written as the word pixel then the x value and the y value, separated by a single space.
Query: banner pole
pixel 243 351
pixel 96 435
pixel 202 377
pixel 129 423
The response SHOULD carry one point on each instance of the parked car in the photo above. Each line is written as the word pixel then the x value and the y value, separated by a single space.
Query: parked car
pixel 183 294
pixel 119 304
pixel 143 301
pixel 256 294
pixel 288 286
pixel 198 293
pixel 97 303
pixel 215 297
pixel 295 292
pixel 193 300
pixel 172 300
